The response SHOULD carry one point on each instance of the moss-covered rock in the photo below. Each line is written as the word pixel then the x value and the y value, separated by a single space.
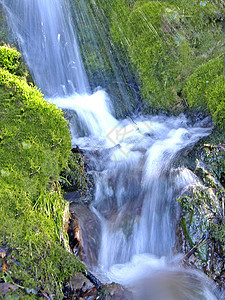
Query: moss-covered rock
pixel 203 209
pixel 167 43
pixel 164 42
pixel 35 146
pixel 205 89
pixel 11 60
pixel 107 65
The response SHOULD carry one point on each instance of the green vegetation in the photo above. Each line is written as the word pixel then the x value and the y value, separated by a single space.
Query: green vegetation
pixel 74 176
pixel 203 206
pixel 175 50
pixel 205 89
pixel 34 148
pixel 165 42
pixel 11 60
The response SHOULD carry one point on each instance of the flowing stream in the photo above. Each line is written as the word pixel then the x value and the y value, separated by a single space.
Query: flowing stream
pixel 134 163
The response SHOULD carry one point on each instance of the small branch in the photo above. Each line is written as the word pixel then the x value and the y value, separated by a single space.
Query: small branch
pixel 18 214
pixel 211 258
pixel 221 146
pixel 85 175
pixel 93 280
pixel 18 134
pixel 57 188
pixel 195 248
pixel 54 145
pixel 32 172
pixel 224 67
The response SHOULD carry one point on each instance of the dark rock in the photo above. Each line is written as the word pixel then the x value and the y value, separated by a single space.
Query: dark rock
pixel 203 213
pixel 77 150
pixel 73 197
pixel 116 292
pixel 81 285
pixel 84 233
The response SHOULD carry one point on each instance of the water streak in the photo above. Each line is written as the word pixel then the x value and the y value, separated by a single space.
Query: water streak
pixel 49 45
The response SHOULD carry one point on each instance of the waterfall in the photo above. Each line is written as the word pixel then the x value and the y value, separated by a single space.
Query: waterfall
pixel 136 183
pixel 135 177
pixel 49 45
pixel 106 66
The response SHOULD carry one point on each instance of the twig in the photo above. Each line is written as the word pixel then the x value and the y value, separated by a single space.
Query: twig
pixel 224 67
pixel 18 134
pixel 195 248
pixel 222 146
pixel 93 280
pixel 57 188
pixel 54 145
pixel 32 172
pixel 223 206
pixel 17 214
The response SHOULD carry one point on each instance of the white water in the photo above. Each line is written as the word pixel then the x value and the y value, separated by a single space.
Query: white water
pixel 136 183
pixel 49 45
pixel 136 188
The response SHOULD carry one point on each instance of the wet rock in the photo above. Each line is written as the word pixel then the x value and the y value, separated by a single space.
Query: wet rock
pixel 84 233
pixel 73 197
pixel 75 237
pixel 82 287
pixel 116 292
pixel 203 214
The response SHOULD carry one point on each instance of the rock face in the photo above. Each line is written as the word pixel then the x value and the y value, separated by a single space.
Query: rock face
pixel 203 215
pixel 84 232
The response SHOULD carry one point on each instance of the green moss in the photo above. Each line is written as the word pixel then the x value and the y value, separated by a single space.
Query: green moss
pixel 154 57
pixel 203 205
pixel 74 176
pixel 32 129
pixel 34 147
pixel 205 88
pixel 11 60
pixel 36 258
pixel 164 42
pixel 167 43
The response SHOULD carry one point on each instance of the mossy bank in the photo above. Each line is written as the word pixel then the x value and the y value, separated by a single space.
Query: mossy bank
pixel 35 146
pixel 168 46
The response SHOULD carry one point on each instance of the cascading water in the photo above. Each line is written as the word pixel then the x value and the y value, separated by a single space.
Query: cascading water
pixel 49 45
pixel 104 66
pixel 136 183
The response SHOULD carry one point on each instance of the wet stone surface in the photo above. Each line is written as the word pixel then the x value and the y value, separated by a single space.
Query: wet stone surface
pixel 84 233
